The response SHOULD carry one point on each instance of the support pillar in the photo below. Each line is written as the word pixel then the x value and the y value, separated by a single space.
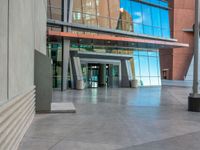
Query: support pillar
pixel 194 98
pixel 102 75
pixel 67 17
pixel 125 82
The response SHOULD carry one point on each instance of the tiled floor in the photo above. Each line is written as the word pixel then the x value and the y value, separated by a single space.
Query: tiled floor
pixel 118 119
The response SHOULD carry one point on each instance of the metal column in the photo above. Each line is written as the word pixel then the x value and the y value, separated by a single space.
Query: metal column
pixel 194 98
pixel 67 17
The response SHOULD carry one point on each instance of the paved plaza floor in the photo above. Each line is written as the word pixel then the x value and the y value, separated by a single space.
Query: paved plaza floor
pixel 153 118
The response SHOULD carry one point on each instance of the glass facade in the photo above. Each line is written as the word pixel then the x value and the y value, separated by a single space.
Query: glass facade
pixel 150 17
pixel 55 53
pixel 147 67
pixel 54 9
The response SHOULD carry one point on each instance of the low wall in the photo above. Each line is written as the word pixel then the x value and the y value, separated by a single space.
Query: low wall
pixel 15 117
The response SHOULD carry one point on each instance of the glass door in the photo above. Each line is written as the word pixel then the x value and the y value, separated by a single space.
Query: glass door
pixel 93 73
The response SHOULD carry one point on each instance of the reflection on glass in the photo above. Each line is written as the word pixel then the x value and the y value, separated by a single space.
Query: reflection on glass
pixel 89 7
pixel 103 22
pixel 156 17
pixel 90 20
pixel 146 15
pixel 137 66
pixel 127 15
pixel 54 10
pixel 55 52
pixel 102 8
pixel 77 17
pixel 153 66
pixel 145 81
pixel 148 30
pixel 144 66
pixel 154 80
pixel 147 67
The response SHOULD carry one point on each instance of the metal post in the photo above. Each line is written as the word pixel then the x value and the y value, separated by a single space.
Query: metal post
pixel 196 50
pixel 194 98
pixel 67 17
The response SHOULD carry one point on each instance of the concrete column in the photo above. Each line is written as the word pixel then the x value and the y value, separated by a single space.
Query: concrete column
pixel 102 75
pixel 66 49
pixel 67 17
pixel 124 74
pixel 76 67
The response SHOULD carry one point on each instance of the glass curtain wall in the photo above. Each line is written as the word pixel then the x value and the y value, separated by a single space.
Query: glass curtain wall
pixel 147 67
pixel 54 9
pixel 55 53
pixel 150 17
pixel 54 45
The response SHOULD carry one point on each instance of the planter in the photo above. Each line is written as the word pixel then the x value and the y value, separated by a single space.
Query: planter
pixel 80 85
pixel 134 83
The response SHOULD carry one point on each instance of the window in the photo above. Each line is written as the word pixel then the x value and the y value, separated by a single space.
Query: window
pixel 147 67
pixel 137 12
pixel 127 15
pixel 146 14
pixel 156 17
pixel 102 8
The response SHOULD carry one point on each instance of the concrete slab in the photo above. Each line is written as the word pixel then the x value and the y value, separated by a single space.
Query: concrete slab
pixel 154 118
pixel 63 108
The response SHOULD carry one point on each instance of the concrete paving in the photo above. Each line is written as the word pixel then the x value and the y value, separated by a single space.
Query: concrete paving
pixel 152 118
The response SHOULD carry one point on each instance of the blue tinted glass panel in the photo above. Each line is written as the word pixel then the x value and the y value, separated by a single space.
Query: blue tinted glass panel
pixel 125 4
pixel 136 64
pixel 156 2
pixel 146 15
pixel 143 53
pixel 151 53
pixel 147 67
pixel 159 81
pixel 158 65
pixel 156 17
pixel 136 12
pixel 148 30
pixel 153 66
pixel 166 33
pixel 154 80
pixel 164 18
pixel 162 3
pixel 138 28
pixel 135 53
pixel 149 1
pixel 157 32
pixel 144 66
pixel 137 78
pixel 145 81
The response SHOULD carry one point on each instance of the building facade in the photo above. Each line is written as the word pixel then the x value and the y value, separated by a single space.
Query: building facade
pixel 85 29
pixel 177 64
pixel 22 31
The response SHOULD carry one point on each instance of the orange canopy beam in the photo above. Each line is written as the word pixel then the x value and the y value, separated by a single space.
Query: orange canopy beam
pixel 115 38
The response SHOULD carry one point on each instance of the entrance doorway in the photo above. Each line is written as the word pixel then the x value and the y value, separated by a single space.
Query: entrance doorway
pixel 93 75
pixel 100 75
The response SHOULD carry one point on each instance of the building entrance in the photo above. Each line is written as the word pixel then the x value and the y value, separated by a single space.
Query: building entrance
pixel 92 70
pixel 100 75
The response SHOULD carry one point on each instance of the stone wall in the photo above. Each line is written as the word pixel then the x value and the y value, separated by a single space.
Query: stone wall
pixel 22 30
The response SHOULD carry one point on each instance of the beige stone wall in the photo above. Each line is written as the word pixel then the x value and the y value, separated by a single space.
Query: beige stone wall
pixel 3 49
pixel 22 30
pixel 26 31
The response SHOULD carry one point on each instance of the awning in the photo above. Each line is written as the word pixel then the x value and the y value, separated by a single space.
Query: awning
pixel 108 40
